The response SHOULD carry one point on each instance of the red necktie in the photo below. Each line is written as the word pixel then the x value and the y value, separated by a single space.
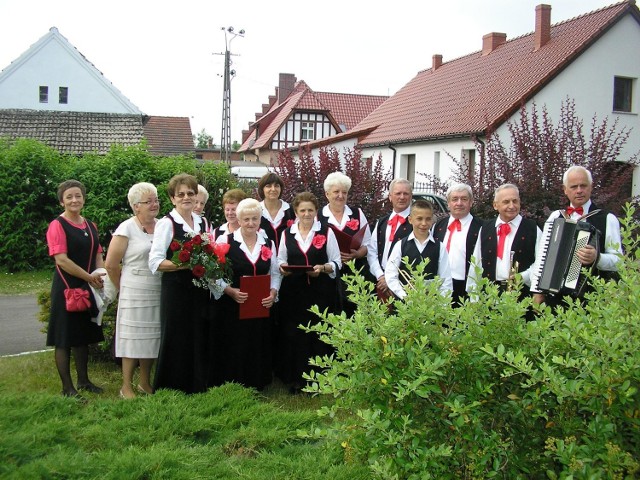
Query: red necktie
pixel 503 230
pixel 455 226
pixel 394 222
pixel 578 210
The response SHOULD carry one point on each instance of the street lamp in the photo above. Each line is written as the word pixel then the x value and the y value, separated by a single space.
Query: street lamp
pixel 225 137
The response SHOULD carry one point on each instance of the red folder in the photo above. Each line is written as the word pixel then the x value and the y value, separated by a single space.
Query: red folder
pixel 346 242
pixel 257 287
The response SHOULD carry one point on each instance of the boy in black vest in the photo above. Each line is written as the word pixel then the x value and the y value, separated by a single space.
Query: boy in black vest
pixel 418 246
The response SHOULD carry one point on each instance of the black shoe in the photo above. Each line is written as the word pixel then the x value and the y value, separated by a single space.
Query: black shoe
pixel 90 387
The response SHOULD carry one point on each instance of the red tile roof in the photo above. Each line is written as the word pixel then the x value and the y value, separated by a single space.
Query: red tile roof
pixel 464 95
pixel 168 136
pixel 342 109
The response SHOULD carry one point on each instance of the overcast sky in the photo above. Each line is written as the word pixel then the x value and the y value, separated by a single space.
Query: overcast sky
pixel 164 56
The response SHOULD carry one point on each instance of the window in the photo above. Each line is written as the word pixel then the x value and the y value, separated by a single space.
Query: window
pixel 63 95
pixel 44 94
pixel 469 161
pixel 622 89
pixel 307 131
pixel 436 164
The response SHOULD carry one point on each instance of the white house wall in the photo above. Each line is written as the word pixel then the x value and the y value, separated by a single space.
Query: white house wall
pixel 54 63
pixel 589 81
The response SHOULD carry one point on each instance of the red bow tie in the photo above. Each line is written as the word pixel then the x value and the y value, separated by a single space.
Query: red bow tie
pixel 456 225
pixel 578 210
pixel 395 222
pixel 504 229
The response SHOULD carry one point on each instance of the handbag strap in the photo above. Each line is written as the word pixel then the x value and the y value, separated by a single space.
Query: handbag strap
pixel 90 252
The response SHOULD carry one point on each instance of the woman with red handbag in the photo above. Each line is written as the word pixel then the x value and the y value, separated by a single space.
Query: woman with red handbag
pixel 74 245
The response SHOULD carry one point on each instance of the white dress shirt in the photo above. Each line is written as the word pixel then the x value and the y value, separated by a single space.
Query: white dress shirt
pixel 377 267
pixel 392 270
pixel 458 248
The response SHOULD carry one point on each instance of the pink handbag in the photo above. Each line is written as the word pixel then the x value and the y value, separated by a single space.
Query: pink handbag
pixel 77 299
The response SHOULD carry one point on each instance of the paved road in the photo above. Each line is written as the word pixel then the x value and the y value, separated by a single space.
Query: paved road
pixel 19 325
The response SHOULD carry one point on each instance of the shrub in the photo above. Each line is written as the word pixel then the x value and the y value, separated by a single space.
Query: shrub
pixel 428 391
pixel 369 180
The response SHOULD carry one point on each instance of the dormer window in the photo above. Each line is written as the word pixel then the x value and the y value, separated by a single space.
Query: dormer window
pixel 44 94
pixel 622 94
pixel 63 95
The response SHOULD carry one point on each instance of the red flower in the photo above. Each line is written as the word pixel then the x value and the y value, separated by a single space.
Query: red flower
pixel 184 256
pixel 221 248
pixel 174 246
pixel 188 246
pixel 197 240
pixel 265 253
pixel 221 259
pixel 353 224
pixel 208 249
pixel 290 222
pixel 319 241
pixel 198 271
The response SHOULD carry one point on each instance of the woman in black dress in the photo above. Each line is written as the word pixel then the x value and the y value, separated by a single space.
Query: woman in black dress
pixel 276 213
pixel 305 243
pixel 74 245
pixel 246 343
pixel 183 360
pixel 348 220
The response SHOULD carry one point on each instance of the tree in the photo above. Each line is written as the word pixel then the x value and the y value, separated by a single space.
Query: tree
pixel 539 154
pixel 369 180
pixel 203 139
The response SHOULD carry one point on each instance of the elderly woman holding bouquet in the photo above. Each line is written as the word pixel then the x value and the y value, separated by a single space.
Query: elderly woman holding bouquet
pixel 349 221
pixel 74 245
pixel 245 335
pixel 138 320
pixel 309 258
pixel 183 359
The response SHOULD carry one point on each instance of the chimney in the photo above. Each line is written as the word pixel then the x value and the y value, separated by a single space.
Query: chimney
pixel 491 41
pixel 436 62
pixel 543 25
pixel 285 86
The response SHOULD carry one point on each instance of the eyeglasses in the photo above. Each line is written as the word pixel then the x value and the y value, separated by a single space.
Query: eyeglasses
pixel 185 194
pixel 149 202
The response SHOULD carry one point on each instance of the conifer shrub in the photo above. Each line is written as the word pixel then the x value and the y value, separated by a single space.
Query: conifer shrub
pixel 427 391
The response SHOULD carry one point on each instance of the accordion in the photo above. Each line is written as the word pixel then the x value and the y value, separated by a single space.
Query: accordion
pixel 559 268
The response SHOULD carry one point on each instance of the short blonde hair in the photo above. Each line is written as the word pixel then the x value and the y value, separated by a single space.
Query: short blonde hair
pixel 137 191
pixel 248 205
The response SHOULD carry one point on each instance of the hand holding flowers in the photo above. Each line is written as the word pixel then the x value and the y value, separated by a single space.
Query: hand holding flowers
pixel 206 259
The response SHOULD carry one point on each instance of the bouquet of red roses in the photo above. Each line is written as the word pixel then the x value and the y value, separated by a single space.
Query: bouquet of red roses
pixel 206 259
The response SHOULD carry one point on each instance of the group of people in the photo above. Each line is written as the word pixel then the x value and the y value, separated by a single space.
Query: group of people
pixel 198 336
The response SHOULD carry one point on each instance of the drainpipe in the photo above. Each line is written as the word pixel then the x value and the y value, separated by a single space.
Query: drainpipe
pixel 393 164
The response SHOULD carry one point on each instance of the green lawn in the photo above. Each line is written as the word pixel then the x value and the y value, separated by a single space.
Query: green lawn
pixel 25 283
pixel 227 433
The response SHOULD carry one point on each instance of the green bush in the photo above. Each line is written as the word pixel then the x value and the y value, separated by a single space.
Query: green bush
pixel 428 391
pixel 31 172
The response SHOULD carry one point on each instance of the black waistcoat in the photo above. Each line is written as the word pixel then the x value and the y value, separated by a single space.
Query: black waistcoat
pixel 523 246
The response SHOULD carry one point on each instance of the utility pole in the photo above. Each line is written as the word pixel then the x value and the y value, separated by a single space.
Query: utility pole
pixel 225 137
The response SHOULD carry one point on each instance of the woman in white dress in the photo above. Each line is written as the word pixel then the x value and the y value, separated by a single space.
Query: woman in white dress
pixel 138 319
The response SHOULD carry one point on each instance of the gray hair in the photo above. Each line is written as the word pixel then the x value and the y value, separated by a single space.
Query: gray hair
pixel 248 205
pixel 459 187
pixel 576 168
pixel 400 181
pixel 337 178
pixel 137 191
pixel 504 186
pixel 203 191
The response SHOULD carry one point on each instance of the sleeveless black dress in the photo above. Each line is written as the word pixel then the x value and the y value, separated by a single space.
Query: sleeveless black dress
pixel 245 345
pixel 74 329
pixel 184 357
pixel 298 293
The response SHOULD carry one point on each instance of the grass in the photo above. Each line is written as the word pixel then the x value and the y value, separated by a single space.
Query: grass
pixel 25 283
pixel 228 432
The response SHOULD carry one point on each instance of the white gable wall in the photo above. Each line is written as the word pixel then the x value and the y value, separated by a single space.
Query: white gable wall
pixel 589 82
pixel 54 63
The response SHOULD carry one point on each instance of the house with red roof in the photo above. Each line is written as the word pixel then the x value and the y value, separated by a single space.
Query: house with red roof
pixel 445 111
pixel 53 94
pixel 297 114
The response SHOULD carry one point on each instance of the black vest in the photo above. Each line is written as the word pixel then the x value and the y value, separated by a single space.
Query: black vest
pixel 313 256
pixel 242 266
pixel 431 251
pixel 402 231
pixel 440 230
pixel 523 246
